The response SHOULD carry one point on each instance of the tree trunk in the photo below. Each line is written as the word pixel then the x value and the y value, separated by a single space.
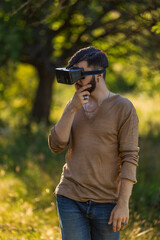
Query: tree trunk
pixel 41 106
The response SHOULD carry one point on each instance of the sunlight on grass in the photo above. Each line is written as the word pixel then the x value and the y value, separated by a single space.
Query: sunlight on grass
pixel 20 219
pixel 20 216
pixel 148 110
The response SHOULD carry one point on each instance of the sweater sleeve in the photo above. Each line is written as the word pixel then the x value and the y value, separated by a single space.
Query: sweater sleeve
pixel 128 146
pixel 54 142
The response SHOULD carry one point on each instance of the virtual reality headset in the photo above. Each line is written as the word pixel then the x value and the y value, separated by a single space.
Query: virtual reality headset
pixel 73 74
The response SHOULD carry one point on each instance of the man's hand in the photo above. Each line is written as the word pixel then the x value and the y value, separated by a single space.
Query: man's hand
pixel 63 127
pixel 78 99
pixel 119 215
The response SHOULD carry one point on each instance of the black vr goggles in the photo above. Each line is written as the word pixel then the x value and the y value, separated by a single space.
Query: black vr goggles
pixel 73 74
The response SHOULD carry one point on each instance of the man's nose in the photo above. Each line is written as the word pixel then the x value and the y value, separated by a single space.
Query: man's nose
pixel 79 82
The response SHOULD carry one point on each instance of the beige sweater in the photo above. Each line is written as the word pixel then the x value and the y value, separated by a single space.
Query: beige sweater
pixel 101 150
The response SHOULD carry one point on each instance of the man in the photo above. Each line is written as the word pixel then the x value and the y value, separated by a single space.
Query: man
pixel 100 130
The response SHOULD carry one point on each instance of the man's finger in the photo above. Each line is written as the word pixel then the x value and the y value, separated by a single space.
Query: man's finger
pixel 111 218
pixel 119 225
pixel 124 226
pixel 114 225
pixel 84 87
pixel 84 93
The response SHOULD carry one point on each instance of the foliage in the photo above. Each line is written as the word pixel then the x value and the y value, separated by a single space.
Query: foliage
pixel 46 33
pixel 17 90
pixel 156 28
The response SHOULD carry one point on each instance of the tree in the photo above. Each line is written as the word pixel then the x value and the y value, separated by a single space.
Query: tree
pixel 44 33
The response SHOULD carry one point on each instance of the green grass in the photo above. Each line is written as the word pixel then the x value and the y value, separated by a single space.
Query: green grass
pixel 24 214
pixel 29 173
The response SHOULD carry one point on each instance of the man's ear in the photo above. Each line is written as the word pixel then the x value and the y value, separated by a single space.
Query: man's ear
pixel 99 76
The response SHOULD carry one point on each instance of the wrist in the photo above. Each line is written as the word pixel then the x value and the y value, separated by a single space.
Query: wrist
pixel 71 108
pixel 123 202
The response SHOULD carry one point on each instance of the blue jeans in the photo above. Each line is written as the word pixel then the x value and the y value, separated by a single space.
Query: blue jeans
pixel 85 220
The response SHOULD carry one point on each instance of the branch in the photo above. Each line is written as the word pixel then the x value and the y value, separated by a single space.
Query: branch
pixel 112 29
pixel 67 23
pixel 20 8
pixel 97 23
pixel 60 6
pixel 37 7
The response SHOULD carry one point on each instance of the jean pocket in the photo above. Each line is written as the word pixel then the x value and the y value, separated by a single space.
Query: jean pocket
pixel 63 200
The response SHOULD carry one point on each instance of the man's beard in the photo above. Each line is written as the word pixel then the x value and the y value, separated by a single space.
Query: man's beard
pixel 93 83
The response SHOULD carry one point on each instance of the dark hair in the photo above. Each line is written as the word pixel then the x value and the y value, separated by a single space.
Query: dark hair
pixel 93 56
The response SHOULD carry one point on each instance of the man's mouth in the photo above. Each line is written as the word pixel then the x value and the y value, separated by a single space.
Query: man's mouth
pixel 78 85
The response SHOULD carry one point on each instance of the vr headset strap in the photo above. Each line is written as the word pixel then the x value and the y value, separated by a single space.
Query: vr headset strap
pixel 94 72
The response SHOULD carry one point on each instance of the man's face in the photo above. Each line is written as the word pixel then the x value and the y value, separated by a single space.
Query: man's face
pixel 88 79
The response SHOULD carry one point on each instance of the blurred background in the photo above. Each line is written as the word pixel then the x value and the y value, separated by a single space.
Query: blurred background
pixel 36 36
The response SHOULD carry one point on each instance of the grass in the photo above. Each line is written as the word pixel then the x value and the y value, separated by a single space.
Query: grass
pixel 29 173
pixel 28 176
pixel 25 215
